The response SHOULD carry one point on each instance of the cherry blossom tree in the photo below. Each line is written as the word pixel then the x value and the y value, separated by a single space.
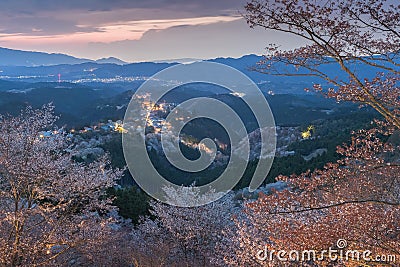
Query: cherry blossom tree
pixel 356 200
pixel 185 236
pixel 53 211
pixel 358 40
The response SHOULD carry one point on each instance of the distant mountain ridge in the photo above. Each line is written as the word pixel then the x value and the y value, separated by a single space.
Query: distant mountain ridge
pixel 131 76
pixel 111 60
pixel 12 57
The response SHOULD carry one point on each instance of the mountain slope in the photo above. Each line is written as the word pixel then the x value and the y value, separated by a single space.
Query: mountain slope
pixel 111 60
pixel 11 57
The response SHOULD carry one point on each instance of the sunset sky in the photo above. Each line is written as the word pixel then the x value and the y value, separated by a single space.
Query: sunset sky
pixel 133 30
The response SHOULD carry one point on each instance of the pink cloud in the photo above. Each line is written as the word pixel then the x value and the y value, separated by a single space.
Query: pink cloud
pixel 107 33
